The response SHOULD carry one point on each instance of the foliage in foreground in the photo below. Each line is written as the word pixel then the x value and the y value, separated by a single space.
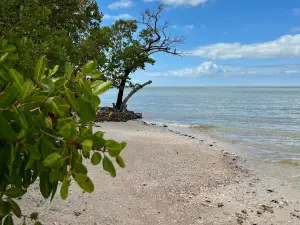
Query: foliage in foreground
pixel 46 131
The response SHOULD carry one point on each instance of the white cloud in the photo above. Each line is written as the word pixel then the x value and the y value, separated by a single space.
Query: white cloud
pixel 189 27
pixel 118 17
pixel 287 46
pixel 295 29
pixel 185 27
pixel 181 2
pixel 121 4
pixel 210 68
pixel 296 11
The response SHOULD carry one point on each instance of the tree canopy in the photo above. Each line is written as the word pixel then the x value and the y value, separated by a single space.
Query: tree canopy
pixel 63 31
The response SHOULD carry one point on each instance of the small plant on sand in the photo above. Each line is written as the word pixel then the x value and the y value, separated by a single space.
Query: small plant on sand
pixel 46 130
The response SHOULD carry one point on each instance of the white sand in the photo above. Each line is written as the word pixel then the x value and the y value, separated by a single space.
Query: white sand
pixel 172 179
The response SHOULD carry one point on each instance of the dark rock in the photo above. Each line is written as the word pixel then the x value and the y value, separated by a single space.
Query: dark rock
pixel 165 125
pixel 275 201
pixel 270 190
pixel 211 145
pixel 113 115
pixel 259 212
pixel 266 208
pixel 240 220
pixel 244 211
pixel 77 213
pixel 220 204
pixel 295 215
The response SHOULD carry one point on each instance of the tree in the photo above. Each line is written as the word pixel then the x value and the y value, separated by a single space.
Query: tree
pixel 132 49
pixel 61 30
pixel 46 131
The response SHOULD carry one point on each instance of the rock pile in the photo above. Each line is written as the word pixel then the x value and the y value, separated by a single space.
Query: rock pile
pixel 113 115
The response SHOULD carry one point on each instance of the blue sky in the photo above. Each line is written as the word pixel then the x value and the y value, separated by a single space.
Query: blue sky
pixel 233 42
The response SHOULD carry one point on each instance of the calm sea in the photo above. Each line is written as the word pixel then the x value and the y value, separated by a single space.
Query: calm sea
pixel 266 120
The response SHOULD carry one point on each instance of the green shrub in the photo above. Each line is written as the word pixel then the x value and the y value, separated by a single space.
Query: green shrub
pixel 46 130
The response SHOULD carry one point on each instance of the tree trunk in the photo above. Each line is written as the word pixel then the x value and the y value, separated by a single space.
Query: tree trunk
pixel 121 91
pixel 124 103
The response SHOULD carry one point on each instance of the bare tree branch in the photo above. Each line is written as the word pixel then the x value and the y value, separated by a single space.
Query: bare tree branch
pixel 161 42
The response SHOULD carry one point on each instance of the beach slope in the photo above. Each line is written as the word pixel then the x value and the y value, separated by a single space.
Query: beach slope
pixel 172 179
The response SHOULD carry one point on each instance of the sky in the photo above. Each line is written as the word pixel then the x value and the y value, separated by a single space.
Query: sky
pixel 229 42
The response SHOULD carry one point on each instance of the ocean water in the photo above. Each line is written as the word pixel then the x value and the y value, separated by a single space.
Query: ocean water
pixel 265 120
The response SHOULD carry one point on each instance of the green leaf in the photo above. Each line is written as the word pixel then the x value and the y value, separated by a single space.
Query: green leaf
pixel 47 84
pixel 96 84
pixel 87 90
pixel 96 158
pixel 33 151
pixel 99 134
pixel 17 79
pixel 8 97
pixel 37 223
pixel 67 128
pixel 34 215
pixel 59 81
pixel 6 130
pixel 71 99
pixel 123 145
pixel 53 71
pixel 7 48
pixel 109 166
pixel 102 88
pixel 120 161
pixel 86 110
pixel 114 148
pixel 46 146
pixel 87 145
pixel 59 106
pixel 84 182
pixel 40 68
pixel 89 67
pixel 29 164
pixel 14 192
pixel 4 76
pixel 54 189
pixel 27 89
pixel 51 159
pixel 3 57
pixel 15 208
pixel 55 176
pixel 80 168
pixel 45 185
pixel 68 71
pixel 96 74
pixel 8 220
pixel 20 118
pixel 95 102
pixel 4 208
pixel 64 190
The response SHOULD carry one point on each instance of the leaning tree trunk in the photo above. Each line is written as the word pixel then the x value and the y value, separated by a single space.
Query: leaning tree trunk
pixel 121 91
pixel 124 103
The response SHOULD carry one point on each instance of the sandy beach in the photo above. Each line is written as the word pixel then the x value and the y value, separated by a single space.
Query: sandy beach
pixel 173 178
